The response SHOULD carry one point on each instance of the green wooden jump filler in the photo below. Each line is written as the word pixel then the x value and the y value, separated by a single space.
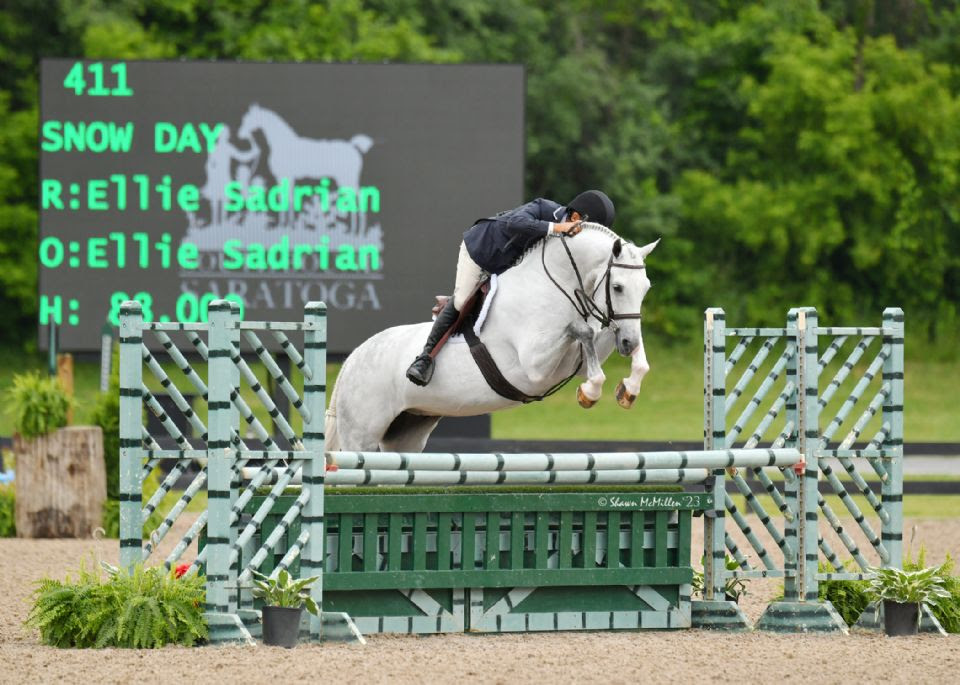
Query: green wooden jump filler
pixel 432 543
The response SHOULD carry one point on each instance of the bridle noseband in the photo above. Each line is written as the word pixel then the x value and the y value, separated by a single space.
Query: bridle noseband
pixel 585 305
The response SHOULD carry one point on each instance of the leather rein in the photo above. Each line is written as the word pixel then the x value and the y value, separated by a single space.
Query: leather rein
pixel 585 305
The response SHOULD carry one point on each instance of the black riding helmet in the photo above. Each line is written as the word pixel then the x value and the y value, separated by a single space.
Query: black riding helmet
pixel 595 206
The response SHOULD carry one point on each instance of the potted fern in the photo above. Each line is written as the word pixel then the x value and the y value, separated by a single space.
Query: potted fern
pixel 903 593
pixel 283 603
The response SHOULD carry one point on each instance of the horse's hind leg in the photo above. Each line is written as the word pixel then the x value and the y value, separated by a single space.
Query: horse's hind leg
pixel 409 433
pixel 357 432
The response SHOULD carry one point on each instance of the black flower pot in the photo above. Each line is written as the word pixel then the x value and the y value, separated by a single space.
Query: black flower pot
pixel 281 626
pixel 900 619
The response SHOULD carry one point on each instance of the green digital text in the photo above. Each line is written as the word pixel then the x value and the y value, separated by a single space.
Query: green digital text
pixel 284 256
pixel 283 197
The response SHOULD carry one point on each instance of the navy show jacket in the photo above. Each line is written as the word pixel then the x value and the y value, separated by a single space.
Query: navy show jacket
pixel 497 242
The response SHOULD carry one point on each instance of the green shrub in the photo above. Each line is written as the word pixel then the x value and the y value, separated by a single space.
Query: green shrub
pixel 111 518
pixel 8 528
pixel 111 510
pixel 38 403
pixel 733 588
pixel 946 609
pixel 144 609
pixel 849 597
pixel 106 414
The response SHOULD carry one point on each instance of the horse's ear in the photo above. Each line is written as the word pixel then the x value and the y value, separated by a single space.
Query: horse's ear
pixel 648 248
pixel 617 247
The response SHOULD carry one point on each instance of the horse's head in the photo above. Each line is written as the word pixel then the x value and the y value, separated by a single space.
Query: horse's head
pixel 622 291
pixel 249 122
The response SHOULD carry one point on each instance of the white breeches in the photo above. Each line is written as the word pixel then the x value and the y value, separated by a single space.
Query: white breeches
pixel 469 275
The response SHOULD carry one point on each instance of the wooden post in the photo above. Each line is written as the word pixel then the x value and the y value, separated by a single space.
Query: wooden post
pixel 61 483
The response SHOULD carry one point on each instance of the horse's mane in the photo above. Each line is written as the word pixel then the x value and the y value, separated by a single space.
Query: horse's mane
pixel 587 226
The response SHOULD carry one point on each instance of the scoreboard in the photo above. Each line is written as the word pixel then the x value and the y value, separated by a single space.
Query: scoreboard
pixel 177 183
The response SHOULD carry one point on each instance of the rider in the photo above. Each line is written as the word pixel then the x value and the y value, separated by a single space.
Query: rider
pixel 494 244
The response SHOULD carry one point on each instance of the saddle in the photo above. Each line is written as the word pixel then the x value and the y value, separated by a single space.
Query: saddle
pixel 467 316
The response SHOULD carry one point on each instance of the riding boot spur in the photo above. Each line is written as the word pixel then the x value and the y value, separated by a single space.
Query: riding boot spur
pixel 421 371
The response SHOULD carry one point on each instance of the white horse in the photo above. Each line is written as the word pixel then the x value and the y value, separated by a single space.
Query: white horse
pixel 539 322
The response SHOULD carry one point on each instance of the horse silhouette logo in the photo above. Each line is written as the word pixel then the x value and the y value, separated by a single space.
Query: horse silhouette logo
pixel 276 180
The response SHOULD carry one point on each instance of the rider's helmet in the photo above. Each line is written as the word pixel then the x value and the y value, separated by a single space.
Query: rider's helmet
pixel 595 206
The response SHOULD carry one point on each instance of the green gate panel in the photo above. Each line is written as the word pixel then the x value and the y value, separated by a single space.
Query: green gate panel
pixel 530 561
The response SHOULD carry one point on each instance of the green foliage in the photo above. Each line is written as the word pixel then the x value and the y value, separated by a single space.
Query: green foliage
pixel 106 414
pixel 38 403
pixel 110 519
pixel 788 152
pixel 733 588
pixel 849 597
pixel 923 586
pixel 8 528
pixel 946 609
pixel 283 591
pixel 111 510
pixel 146 608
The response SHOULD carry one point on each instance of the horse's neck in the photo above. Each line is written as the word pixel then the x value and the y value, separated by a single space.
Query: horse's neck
pixel 582 267
pixel 528 285
pixel 530 324
pixel 271 124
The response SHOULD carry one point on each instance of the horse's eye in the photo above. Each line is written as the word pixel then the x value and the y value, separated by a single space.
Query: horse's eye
pixel 617 288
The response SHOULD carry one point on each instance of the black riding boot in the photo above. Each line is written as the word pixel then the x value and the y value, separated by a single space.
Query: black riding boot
pixel 421 371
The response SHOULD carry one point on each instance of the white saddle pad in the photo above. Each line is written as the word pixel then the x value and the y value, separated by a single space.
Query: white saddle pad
pixel 482 317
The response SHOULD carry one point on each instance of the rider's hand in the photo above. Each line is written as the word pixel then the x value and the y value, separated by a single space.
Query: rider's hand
pixel 571 228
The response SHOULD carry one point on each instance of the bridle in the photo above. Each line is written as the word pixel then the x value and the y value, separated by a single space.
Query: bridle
pixel 585 305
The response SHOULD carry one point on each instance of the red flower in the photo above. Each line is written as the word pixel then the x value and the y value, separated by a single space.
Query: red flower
pixel 181 570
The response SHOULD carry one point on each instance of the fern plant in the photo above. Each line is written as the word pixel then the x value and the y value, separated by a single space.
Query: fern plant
pixel 848 597
pixel 38 403
pixel 145 608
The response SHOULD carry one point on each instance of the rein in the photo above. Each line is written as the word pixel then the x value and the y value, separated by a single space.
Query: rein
pixel 585 305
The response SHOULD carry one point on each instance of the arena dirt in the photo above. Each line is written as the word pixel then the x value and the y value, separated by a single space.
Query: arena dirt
pixel 650 657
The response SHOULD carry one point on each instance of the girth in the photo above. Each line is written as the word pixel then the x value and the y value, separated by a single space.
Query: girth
pixel 495 379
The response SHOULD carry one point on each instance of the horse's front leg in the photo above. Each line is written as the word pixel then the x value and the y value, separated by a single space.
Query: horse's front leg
pixel 629 388
pixel 590 390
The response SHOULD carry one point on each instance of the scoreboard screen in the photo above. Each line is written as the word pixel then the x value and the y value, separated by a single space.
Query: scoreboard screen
pixel 177 183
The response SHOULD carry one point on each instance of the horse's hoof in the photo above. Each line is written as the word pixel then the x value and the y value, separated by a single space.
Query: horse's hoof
pixel 624 398
pixel 584 401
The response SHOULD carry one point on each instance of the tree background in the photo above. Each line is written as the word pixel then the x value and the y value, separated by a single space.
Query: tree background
pixel 789 152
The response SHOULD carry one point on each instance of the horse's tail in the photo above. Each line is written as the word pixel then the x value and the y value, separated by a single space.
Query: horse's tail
pixel 362 143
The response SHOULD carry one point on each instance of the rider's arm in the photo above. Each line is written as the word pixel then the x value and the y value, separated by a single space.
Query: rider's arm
pixel 534 219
